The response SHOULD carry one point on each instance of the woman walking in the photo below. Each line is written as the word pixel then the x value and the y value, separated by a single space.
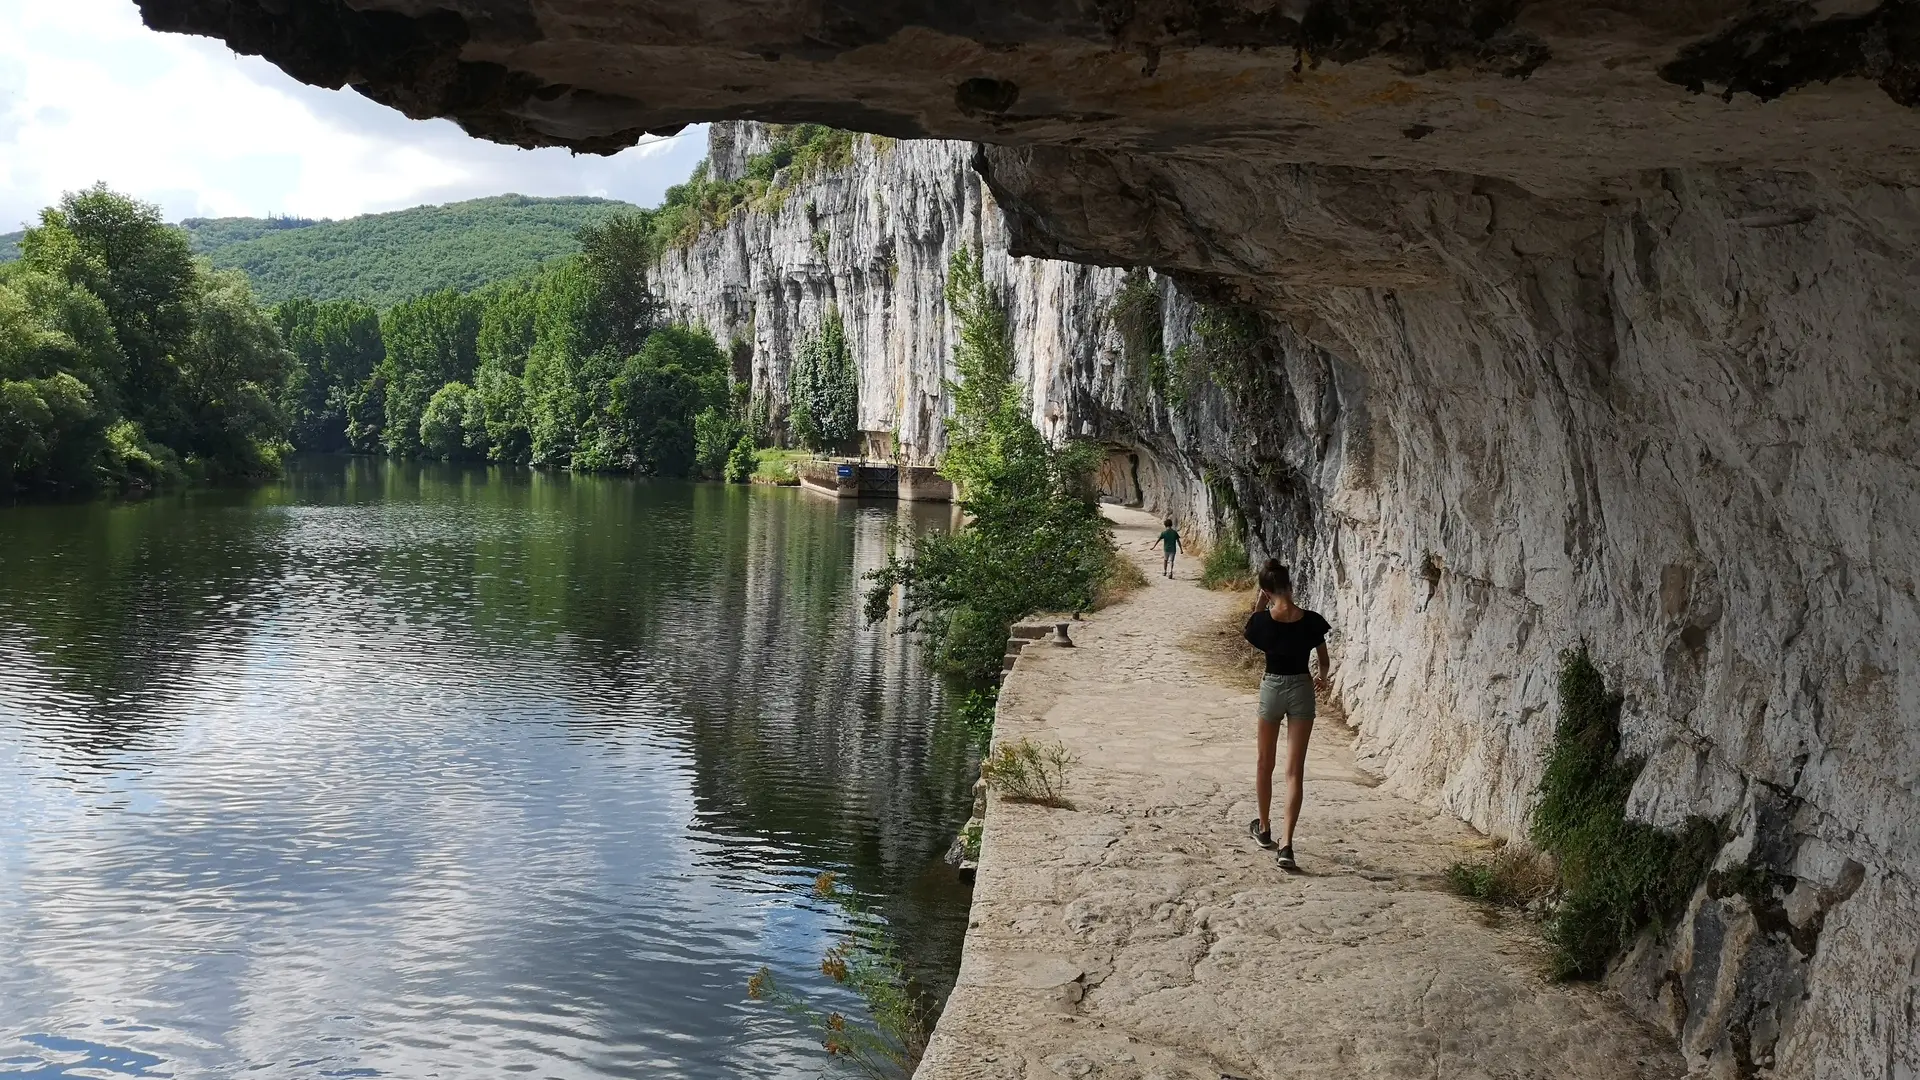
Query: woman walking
pixel 1286 632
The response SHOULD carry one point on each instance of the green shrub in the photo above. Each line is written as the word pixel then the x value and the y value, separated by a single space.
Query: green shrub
pixel 1618 878
pixel 1226 566
pixel 740 461
pixel 716 435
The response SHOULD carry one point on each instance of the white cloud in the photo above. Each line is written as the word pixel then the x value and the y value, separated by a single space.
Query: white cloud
pixel 88 93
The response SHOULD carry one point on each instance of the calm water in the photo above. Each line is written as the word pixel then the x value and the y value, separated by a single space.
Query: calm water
pixel 418 771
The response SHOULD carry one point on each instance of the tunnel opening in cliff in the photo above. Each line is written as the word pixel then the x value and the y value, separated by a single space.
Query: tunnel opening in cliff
pixel 1578 323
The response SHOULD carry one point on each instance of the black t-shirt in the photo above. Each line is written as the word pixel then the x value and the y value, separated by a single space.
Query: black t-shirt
pixel 1287 644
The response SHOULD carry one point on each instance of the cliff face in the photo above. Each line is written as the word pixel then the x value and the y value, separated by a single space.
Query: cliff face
pixel 1547 347
pixel 1679 428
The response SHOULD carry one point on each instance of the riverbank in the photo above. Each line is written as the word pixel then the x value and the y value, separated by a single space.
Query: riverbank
pixel 1141 934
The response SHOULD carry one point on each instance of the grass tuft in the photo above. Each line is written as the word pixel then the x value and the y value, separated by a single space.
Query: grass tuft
pixel 1512 877
pixel 1122 578
pixel 1026 771
pixel 1225 566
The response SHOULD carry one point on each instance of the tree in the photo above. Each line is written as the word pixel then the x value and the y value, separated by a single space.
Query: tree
pixel 740 461
pixel 141 270
pixel 453 425
pixel 508 321
pixel 335 346
pixel 615 256
pixel 431 340
pixel 1036 540
pixel 126 363
pixel 230 366
pixel 653 402
pixel 715 431
pixel 825 389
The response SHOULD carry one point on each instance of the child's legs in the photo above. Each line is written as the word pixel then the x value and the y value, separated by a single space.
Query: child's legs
pixel 1298 732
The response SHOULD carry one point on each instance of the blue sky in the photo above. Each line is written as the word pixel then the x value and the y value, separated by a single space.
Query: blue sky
pixel 88 93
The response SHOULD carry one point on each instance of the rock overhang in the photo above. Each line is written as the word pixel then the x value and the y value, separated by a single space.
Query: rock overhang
pixel 1560 97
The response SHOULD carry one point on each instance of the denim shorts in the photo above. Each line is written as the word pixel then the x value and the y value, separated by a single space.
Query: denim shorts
pixel 1286 697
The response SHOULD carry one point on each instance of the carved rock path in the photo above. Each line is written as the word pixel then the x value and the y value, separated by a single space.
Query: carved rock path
pixel 1143 935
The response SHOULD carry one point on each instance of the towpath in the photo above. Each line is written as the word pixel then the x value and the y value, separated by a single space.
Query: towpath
pixel 1142 935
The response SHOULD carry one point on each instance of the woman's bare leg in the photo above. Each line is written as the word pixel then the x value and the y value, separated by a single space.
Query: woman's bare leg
pixel 1298 732
pixel 1263 772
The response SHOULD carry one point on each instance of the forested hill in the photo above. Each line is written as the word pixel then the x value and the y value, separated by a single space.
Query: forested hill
pixel 385 258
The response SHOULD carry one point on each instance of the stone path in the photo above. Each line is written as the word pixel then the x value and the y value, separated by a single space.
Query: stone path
pixel 1143 935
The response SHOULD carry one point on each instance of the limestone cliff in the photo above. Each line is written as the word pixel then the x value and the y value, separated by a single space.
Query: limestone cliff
pixel 1551 346
pixel 1626 424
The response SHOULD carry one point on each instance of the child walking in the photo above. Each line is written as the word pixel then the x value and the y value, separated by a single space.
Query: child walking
pixel 1170 543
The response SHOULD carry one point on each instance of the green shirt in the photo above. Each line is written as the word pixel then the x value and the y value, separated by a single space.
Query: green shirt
pixel 1170 539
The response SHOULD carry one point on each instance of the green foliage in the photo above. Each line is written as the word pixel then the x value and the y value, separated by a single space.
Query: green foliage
pixel 431 341
pixel 975 706
pixel 1226 566
pixel 335 345
pixel 1135 313
pixel 655 399
pixel 799 152
pixel 716 432
pixel 1230 337
pixel 383 259
pixel 1171 374
pixel 454 423
pixel 123 363
pixel 824 389
pixel 1036 541
pixel 1618 877
pixel 866 962
pixel 740 461
pixel 1511 878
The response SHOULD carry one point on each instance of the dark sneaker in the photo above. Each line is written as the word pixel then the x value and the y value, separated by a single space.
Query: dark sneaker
pixel 1286 859
pixel 1263 837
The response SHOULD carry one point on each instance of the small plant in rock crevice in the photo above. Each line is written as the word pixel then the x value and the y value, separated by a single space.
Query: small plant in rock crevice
pixel 1616 878
pixel 1135 314
pixel 1026 771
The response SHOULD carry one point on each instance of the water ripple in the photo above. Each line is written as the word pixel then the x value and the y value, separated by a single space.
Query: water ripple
pixel 389 770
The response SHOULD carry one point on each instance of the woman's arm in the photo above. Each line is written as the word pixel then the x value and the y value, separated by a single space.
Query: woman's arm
pixel 1322 681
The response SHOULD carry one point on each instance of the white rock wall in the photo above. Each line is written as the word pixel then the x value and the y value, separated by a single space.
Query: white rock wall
pixel 1682 427
pixel 873 241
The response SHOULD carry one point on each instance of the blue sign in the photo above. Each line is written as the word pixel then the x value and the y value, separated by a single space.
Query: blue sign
pixel 846 471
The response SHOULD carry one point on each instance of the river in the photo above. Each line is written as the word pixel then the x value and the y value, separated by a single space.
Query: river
pixel 407 770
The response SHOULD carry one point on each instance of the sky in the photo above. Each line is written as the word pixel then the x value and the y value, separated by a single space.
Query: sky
pixel 88 93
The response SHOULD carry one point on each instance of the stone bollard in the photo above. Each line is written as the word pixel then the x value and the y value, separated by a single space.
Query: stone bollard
pixel 1060 637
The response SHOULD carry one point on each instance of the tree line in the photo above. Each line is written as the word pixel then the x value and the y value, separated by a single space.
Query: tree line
pixel 127 363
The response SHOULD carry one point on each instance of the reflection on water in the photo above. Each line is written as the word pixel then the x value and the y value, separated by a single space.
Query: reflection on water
pixel 416 771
